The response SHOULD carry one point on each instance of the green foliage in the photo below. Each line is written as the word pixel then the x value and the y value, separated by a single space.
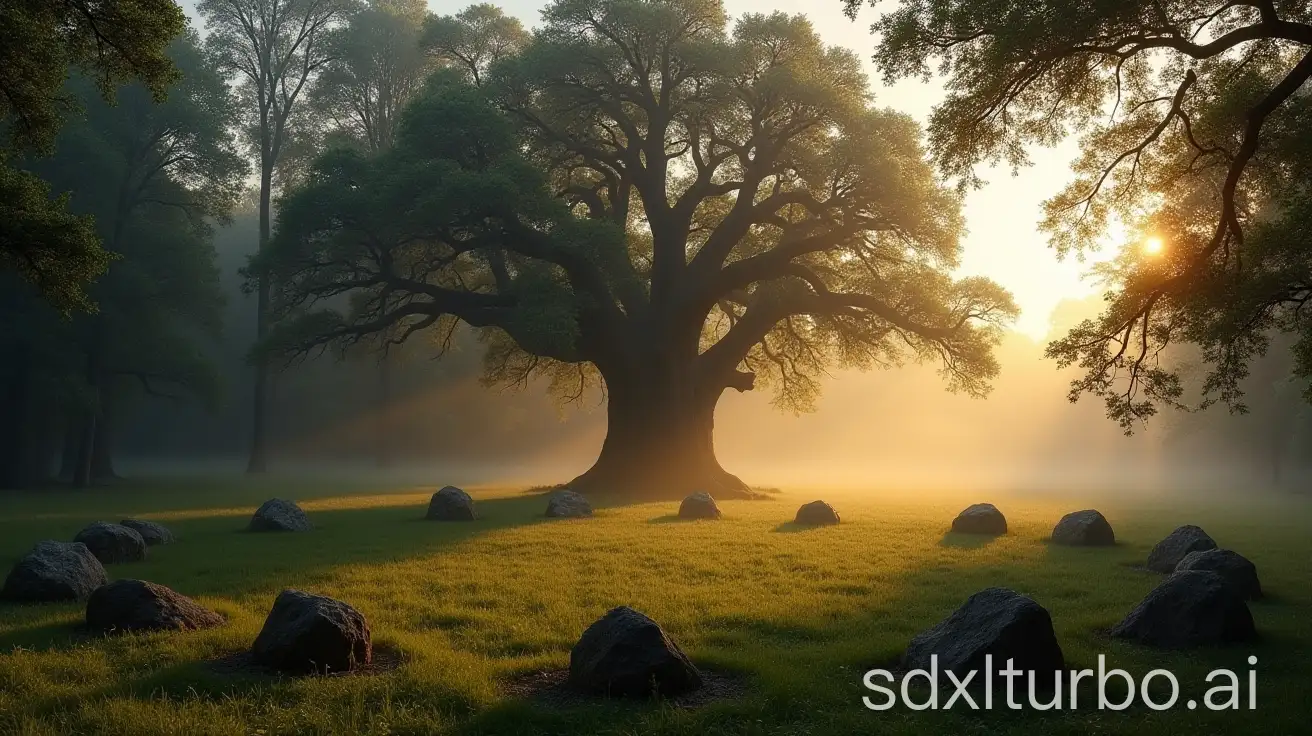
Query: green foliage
pixel 1192 131
pixel 53 249
pixel 375 66
pixel 40 41
pixel 153 177
pixel 639 181
pixel 473 40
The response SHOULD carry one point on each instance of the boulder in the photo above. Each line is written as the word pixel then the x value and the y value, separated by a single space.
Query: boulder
pixel 150 531
pixel 816 513
pixel 1083 529
pixel 280 515
pixel 699 506
pixel 1234 567
pixel 995 621
pixel 137 605
pixel 112 543
pixel 1168 552
pixel 980 518
pixel 1190 608
pixel 451 504
pixel 307 633
pixel 626 654
pixel 567 504
pixel 54 571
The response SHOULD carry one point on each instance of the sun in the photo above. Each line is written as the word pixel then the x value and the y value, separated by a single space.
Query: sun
pixel 1152 246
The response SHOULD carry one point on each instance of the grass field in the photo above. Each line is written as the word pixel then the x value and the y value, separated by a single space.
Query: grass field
pixel 799 615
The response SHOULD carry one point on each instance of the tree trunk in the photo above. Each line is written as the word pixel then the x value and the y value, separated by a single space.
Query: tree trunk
pixel 82 475
pixel 102 458
pixel 382 446
pixel 23 423
pixel 659 443
pixel 259 458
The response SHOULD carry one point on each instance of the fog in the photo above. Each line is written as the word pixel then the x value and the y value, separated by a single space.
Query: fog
pixel 896 428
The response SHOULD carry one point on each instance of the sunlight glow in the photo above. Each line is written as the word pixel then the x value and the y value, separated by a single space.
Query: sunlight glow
pixel 1152 246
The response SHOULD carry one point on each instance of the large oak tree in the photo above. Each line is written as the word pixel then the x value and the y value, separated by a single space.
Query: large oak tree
pixel 1196 119
pixel 653 197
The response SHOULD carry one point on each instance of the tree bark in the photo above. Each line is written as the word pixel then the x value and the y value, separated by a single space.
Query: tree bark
pixel 382 442
pixel 259 458
pixel 659 440
pixel 102 457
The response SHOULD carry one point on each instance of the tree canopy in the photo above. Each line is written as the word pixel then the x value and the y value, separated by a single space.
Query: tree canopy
pixel 1194 119
pixel 648 194
pixel 152 177
pixel 40 42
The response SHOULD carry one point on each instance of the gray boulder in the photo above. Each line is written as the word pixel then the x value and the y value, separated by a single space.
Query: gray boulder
pixel 699 506
pixel 307 633
pixel 1083 529
pixel 112 543
pixel 626 654
pixel 137 605
pixel 451 504
pixel 54 571
pixel 568 504
pixel 980 518
pixel 994 621
pixel 1234 567
pixel 150 531
pixel 1179 543
pixel 816 513
pixel 1189 609
pixel 280 515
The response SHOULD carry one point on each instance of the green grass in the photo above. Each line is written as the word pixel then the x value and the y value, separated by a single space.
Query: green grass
pixel 800 614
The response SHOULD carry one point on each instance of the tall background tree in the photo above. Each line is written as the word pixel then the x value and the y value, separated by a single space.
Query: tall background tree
pixel 649 197
pixel 153 177
pixel 1195 119
pixel 40 41
pixel 274 49
pixel 377 66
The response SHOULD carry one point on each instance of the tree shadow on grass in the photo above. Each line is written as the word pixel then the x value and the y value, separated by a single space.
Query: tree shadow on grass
pixel 792 527
pixel 676 519
pixel 42 637
pixel 967 541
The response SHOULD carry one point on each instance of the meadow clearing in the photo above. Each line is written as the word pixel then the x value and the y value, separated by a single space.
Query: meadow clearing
pixel 465 610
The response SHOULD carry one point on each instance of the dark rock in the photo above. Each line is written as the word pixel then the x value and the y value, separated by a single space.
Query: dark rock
pixel 112 543
pixel 626 654
pixel 54 571
pixel 1234 567
pixel 1168 552
pixel 451 504
pixel 980 518
pixel 567 504
pixel 307 633
pixel 994 621
pixel 699 506
pixel 137 605
pixel 280 515
pixel 150 531
pixel 1190 608
pixel 1084 529
pixel 816 513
